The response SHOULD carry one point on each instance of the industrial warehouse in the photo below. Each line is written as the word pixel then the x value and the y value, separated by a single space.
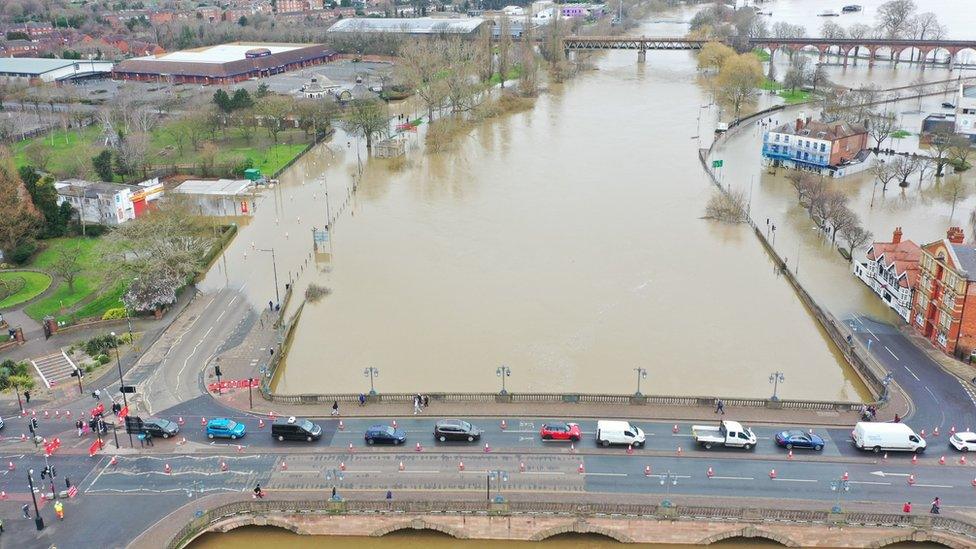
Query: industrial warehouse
pixel 225 63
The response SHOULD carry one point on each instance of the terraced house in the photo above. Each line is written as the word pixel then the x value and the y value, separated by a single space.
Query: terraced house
pixel 891 270
pixel 944 308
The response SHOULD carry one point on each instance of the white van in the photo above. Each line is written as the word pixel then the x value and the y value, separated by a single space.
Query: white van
pixel 887 437
pixel 618 432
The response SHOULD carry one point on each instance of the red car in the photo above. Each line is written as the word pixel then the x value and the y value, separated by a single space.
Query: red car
pixel 561 431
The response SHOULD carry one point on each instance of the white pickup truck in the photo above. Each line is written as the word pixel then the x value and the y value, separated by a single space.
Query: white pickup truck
pixel 728 433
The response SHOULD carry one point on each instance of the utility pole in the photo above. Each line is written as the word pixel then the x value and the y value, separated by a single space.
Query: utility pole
pixel 641 374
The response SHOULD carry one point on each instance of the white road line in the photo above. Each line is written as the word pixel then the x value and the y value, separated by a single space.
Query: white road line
pixel 870 482
pixel 300 471
pixel 603 474
pixel 428 471
pixel 362 472
pixel 796 479
pixel 892 354
pixel 932 486
pixel 732 478
pixel 220 315
pixel 872 333
pixel 179 374
pixel 931 393
pixel 913 373
pixel 543 473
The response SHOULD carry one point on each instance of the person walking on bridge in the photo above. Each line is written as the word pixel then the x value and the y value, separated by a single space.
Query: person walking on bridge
pixel 936 506
pixel 719 407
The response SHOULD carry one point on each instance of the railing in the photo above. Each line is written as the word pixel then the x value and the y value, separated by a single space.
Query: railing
pixel 206 520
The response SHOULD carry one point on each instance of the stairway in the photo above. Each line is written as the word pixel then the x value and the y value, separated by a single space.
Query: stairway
pixel 54 369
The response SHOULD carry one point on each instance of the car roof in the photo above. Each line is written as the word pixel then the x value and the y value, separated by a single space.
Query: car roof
pixel 451 422
pixel 220 421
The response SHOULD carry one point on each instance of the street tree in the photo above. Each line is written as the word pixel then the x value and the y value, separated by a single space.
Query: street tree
pixel 421 66
pixel 855 235
pixel 953 189
pixel 880 127
pixel 832 31
pixel 18 218
pixel 102 163
pixel 367 118
pixel 883 173
pixel 959 149
pixel 486 53
pixel 504 48
pixel 940 143
pixel 273 109
pixel 894 17
pixel 796 75
pixel 738 80
pixel 904 167
pixel 68 265
pixel 528 84
pixel 713 55
pixel 460 56
pixel 819 78
pixel 222 101
pixel 841 220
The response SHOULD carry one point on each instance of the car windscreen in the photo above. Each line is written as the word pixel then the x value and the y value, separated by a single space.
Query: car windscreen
pixel 307 425
pixel 464 425
pixel 389 430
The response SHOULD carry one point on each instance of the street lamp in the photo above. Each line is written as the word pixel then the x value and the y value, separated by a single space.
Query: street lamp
pixel 839 487
pixel 503 372
pixel 668 480
pixel 19 402
pixel 641 374
pixel 371 372
pixel 38 520
pixel 274 267
pixel 118 361
pixel 884 383
pixel 776 378
pixel 500 476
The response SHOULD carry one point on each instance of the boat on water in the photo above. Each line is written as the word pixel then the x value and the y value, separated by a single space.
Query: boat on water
pixel 828 13
pixel 853 8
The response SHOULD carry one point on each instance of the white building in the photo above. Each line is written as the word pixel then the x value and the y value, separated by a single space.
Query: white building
pixel 966 110
pixel 319 86
pixel 513 11
pixel 33 69
pixel 891 270
pixel 108 203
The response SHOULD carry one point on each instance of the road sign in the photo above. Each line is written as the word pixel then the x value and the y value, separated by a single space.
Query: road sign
pixel 95 447
pixel 124 412
pixel 128 388
pixel 133 425
pixel 717 163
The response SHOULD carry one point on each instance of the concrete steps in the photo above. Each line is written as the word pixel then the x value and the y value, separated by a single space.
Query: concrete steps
pixel 54 369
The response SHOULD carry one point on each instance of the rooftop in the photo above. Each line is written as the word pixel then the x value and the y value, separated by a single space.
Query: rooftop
pixel 820 130
pixel 966 254
pixel 219 187
pixel 91 189
pixel 903 255
pixel 33 65
pixel 420 25
pixel 223 53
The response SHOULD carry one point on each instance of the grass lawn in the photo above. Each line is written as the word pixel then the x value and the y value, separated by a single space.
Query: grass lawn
pixel 763 55
pixel 770 85
pixel 793 97
pixel 86 283
pixel 95 308
pixel 900 134
pixel 34 284
pixel 63 146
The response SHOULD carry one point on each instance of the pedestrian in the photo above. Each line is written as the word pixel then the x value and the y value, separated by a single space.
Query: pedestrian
pixel 936 506
pixel 257 492
pixel 416 404
pixel 907 508
pixel 27 396
pixel 97 394
pixel 148 437
pixel 335 407
pixel 25 509
pixel 271 305
pixel 389 495
pixel 59 510
pixel 719 407
pixel 426 401
pixel 1 526
pixel 78 425
pixel 272 351
pixel 334 493
pixel 362 399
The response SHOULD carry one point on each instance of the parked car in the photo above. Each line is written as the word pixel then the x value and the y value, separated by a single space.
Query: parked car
pixel 561 431
pixel 293 428
pixel 224 428
pixel 384 434
pixel 964 441
pixel 799 439
pixel 456 429
pixel 730 434
pixel 948 105
pixel 619 432
pixel 888 437
pixel 159 427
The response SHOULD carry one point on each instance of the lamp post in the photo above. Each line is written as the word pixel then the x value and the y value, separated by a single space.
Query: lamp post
pixel 371 372
pixel 274 267
pixel 500 476
pixel 776 378
pixel 839 487
pixel 641 374
pixel 38 520
pixel 250 399
pixel 118 361
pixel 19 402
pixel 885 383
pixel 503 372
pixel 668 480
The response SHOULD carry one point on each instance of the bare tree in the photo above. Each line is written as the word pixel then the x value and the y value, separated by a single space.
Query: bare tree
pixel 460 57
pixel 529 78
pixel 856 236
pixel 925 166
pixel 940 143
pixel 880 127
pixel 367 118
pixel 504 47
pixel 953 188
pixel 421 66
pixel 68 265
pixel 883 173
pixel 959 149
pixel 841 221
pixel 858 31
pixel 904 167
pixel 894 17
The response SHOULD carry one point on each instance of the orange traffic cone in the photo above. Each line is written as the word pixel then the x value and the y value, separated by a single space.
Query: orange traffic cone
pixel 845 476
pixel 922 433
pixel 10 466
pixel 789 455
pixel 504 425
pixel 914 459
pixel 180 420
pixel 935 432
pixel 240 448
pixel 223 466
pixel 261 423
pixel 580 468
pixel 419 448
pixel 350 448
pixel 167 469
pixel 911 479
pixel 962 460
pixel 203 422
pixel 709 473
pixel 401 466
pixel 460 465
pixel 342 465
pixel 974 482
pixel 647 470
pixel 675 428
pixel 772 473
pixel 113 461
pixel 679 450
pixel 23 437
pixel 341 425
pixel 487 448
pixel 394 424
pixel 572 447
pixel 284 465
pixel 57 414
pixel 884 458
pixel 942 460
pixel 3 494
pixel 630 449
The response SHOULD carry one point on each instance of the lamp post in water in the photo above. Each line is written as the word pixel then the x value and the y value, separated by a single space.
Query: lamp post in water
pixel 641 374
pixel 776 378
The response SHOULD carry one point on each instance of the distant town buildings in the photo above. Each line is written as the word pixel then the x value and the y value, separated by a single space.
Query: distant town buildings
pixel 319 86
pixel 944 306
pixel 892 270
pixel 581 10
pixel 467 26
pixel 966 110
pixel 108 203
pixel 835 149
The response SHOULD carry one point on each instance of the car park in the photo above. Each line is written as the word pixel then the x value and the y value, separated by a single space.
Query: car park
pixel 963 441
pixel 561 431
pixel 293 428
pixel 799 439
pixel 456 429
pixel 384 434
pixel 159 427
pixel 225 428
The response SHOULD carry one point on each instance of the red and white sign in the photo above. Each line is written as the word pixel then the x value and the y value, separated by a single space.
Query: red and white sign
pixel 95 447
pixel 234 384
pixel 124 412
pixel 52 446
pixel 100 409
pixel 72 492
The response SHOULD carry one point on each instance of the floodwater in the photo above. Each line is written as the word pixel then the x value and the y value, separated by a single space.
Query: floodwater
pixel 274 538
pixel 564 242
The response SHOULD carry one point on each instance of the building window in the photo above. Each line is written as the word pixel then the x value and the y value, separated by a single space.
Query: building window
pixel 823 147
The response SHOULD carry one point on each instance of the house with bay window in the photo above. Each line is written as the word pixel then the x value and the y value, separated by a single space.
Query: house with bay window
pixel 891 270
pixel 833 149
pixel 944 306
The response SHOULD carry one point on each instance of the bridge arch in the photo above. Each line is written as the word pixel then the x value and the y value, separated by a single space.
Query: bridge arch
pixel 919 536
pixel 750 532
pixel 581 527
pixel 418 524
pixel 955 56
pixel 933 55
pixel 251 521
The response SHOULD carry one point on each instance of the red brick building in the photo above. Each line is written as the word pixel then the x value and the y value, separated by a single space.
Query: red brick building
pixel 944 307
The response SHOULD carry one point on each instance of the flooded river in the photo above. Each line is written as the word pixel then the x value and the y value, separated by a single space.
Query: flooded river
pixel 564 242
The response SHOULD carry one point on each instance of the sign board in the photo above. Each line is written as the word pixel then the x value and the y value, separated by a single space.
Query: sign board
pixel 124 412
pixel 233 384
pixel 717 163
pixel 243 206
pixel 95 447
pixel 128 389
pixel 133 425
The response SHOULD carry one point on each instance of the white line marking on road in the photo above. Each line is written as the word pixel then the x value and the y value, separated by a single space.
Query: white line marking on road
pixel 796 479
pixel 427 471
pixel 913 373
pixel 870 482
pixel 932 486
pixel 604 474
pixel 892 354
pixel 543 473
pixel 872 333
pixel 931 393
pixel 220 315
pixel 732 478
pixel 362 472
pixel 299 471
pixel 186 362
pixel 474 472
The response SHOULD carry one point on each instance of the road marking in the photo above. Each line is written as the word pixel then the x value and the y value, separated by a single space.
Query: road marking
pixel 427 471
pixel 604 474
pixel 299 471
pixel 932 486
pixel 931 393
pixel 220 315
pixel 913 373
pixel 872 333
pixel 543 473
pixel 884 474
pixel 186 362
pixel 870 482
pixel 892 354
pixel 796 479
pixel 732 478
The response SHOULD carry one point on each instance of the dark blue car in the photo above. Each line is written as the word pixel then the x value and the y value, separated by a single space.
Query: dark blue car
pixel 799 439
pixel 384 434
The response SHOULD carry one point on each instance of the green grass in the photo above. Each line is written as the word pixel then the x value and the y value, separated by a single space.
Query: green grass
pixel 35 284
pixel 770 85
pixel 97 307
pixel 514 73
pixel 85 284
pixel 761 54
pixel 63 146
pixel 900 134
pixel 793 97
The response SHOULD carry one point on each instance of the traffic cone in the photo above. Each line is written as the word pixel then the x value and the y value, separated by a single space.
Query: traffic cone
pixel 401 466
pixel 240 448
pixel 23 437
pixel 935 432
pixel 419 448
pixel 709 473
pixel 394 424
pixel 460 465
pixel 647 470
pixel 845 476
pixel 679 450
pixel 261 423
pixel 675 428
pixel 630 449
pixel 942 460
pixel 504 425
pixel 884 458
pixel 272 415
pixel 572 447
pixel 57 414
pixel 203 422
pixel 167 469
pixel 952 430
pixel 810 431
pixel 223 466
pixel 922 433
pixel 772 473
pixel 33 413
pixel 487 448
pixel 45 414
pixel 350 448
pixel 789 455
pixel 23 413
pixel 580 468
pixel 182 441
pixel 521 467
pixel 974 482
pixel 914 459
pixel 3 494
pixel 180 421
pixel 342 426
pixel 911 479
pixel 114 461
pixel 67 414
pixel 962 460
pixel 342 465
pixel 284 465
pixel 10 466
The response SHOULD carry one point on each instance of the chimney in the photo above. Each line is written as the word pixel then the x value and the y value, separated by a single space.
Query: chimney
pixel 955 235
pixel 799 124
pixel 809 118
pixel 896 238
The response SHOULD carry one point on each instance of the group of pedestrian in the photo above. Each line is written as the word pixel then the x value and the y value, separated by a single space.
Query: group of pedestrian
pixel 869 413
pixel 935 509
pixel 82 428
pixel 420 403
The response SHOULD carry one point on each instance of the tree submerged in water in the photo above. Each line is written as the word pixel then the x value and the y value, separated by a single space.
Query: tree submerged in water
pixel 314 292
pixel 727 207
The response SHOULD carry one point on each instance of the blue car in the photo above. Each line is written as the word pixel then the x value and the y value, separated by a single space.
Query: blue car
pixel 384 434
pixel 799 439
pixel 224 428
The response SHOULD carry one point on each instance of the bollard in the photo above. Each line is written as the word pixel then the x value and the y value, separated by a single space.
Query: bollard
pixel 709 473
pixel 772 473
pixel 647 470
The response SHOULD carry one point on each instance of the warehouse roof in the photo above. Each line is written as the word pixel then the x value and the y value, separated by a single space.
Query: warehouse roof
pixel 33 65
pixel 224 61
pixel 419 25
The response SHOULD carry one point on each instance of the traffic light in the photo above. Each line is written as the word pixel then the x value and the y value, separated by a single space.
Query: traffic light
pixel 33 424
pixel 30 426
pixel 44 473
pixel 53 472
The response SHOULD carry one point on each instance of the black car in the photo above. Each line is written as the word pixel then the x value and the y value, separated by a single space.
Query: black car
pixel 384 434
pixel 159 427
pixel 948 105
pixel 456 429
pixel 293 428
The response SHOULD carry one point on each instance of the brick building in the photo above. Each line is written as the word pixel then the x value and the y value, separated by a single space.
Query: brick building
pixel 891 270
pixel 944 308
pixel 834 149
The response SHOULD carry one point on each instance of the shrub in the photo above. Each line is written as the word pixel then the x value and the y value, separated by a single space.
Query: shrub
pixel 98 345
pixel 314 292
pixel 240 164
pixel 89 368
pixel 23 252
pixel 114 314
pixel 103 359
